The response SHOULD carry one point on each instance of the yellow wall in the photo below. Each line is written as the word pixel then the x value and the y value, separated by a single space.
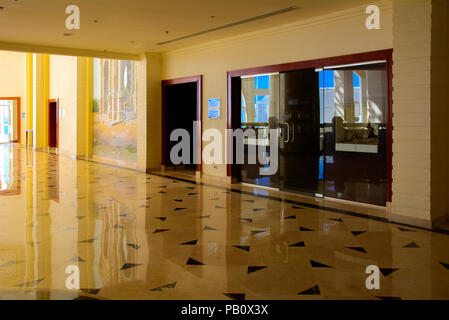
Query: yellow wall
pixel 149 113
pixel 70 82
pixel 63 84
pixel 13 80
pixel 336 34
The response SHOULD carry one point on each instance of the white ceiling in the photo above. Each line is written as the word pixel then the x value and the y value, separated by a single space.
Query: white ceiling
pixel 134 26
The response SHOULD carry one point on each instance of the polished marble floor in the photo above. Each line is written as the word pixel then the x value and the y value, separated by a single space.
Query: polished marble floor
pixel 138 236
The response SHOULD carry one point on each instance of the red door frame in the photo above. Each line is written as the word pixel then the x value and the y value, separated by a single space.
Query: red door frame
pixel 56 101
pixel 17 99
pixel 199 106
pixel 320 63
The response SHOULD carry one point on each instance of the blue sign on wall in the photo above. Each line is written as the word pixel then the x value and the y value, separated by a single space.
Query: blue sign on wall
pixel 213 107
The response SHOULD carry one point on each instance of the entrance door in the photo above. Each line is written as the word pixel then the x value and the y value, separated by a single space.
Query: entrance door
pixel 259 114
pixel 301 145
pixel 53 124
pixel 181 112
pixel 334 130
pixel 5 123
pixel 354 101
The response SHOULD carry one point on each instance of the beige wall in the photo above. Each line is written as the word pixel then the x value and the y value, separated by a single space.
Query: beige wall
pixel 326 36
pixel 153 132
pixel 63 85
pixel 440 111
pixel 13 80
pixel 420 112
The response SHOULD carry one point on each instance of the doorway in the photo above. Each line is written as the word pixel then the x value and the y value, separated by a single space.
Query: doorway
pixel 53 123
pixel 181 108
pixel 333 117
pixel 10 120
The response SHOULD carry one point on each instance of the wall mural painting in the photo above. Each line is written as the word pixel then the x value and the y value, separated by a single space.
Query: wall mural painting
pixel 115 109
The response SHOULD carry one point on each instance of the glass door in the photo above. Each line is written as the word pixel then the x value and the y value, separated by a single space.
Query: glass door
pixel 258 118
pixel 301 145
pixel 333 125
pixel 354 104
pixel 4 121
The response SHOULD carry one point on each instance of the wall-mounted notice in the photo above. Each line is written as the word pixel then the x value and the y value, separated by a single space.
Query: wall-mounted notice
pixel 213 106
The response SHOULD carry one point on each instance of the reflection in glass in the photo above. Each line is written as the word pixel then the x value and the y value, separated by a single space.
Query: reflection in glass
pixel 259 114
pixel 115 109
pixel 353 101
pixel 300 145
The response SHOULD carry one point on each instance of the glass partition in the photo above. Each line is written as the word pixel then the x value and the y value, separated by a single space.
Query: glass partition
pixel 301 145
pixel 333 130
pixel 259 114
pixel 353 101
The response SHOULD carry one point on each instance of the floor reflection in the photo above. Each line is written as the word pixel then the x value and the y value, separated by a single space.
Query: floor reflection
pixel 138 236
pixel 10 174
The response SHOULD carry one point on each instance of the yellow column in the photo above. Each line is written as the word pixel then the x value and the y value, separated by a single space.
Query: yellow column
pixel 84 115
pixel 40 100
pixel 89 105
pixel 149 112
pixel 29 97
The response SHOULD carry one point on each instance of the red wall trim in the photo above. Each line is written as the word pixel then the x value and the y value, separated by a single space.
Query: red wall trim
pixel 199 112
pixel 390 127
pixel 319 63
